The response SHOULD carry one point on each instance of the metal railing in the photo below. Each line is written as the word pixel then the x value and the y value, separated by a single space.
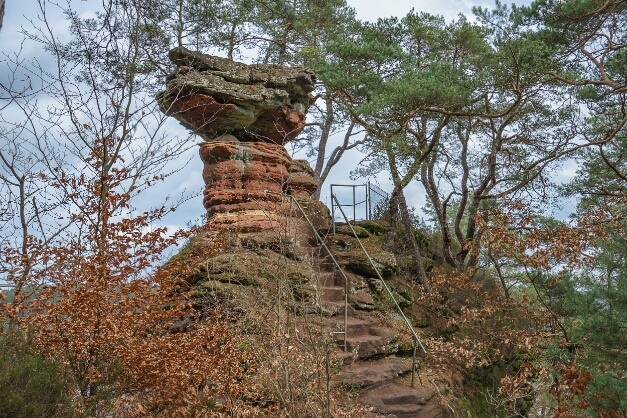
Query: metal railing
pixel 319 238
pixel 376 201
pixel 411 328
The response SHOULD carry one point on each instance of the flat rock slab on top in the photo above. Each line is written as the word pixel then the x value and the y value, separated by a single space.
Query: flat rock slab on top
pixel 214 96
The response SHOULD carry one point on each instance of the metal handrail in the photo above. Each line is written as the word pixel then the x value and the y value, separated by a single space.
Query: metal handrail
pixel 411 328
pixel 370 191
pixel 293 200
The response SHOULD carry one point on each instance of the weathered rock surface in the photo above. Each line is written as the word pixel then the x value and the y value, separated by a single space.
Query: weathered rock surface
pixel 245 113
pixel 402 401
pixel 376 368
pixel 372 372
pixel 237 175
pixel 214 96
pixel 300 182
pixel 244 181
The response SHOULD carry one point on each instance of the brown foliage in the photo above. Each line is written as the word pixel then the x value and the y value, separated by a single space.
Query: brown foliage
pixel 114 315
pixel 482 326
pixel 555 249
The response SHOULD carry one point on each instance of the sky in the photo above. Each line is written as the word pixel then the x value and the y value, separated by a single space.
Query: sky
pixel 21 14
pixel 371 10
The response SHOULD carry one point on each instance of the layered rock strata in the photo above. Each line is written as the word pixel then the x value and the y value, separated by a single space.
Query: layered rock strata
pixel 240 181
pixel 245 113
pixel 215 96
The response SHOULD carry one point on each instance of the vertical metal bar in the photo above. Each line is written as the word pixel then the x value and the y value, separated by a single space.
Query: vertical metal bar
pixel 368 202
pixel 332 210
pixel 345 314
pixel 290 217
pixel 354 207
pixel 413 364
pixel 328 364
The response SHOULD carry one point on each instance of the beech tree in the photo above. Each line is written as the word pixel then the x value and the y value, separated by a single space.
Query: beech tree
pixel 84 266
pixel 100 300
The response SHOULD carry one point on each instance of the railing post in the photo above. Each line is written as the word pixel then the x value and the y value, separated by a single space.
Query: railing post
pixel 354 207
pixel 332 210
pixel 413 364
pixel 368 203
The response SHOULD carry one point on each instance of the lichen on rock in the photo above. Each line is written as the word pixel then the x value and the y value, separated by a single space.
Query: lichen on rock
pixel 214 96
pixel 245 114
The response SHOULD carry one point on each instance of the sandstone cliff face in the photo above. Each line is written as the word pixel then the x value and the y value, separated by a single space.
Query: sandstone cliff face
pixel 245 113
pixel 238 176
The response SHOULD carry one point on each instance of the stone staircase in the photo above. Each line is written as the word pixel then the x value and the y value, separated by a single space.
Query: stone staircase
pixel 369 364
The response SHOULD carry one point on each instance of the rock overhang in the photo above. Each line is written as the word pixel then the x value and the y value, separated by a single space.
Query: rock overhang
pixel 214 96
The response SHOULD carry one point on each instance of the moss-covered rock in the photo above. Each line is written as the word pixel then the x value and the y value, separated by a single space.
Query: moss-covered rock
pixel 384 261
pixel 375 227
pixel 258 102
pixel 271 241
pixel 243 269
pixel 362 301
pixel 405 297
pixel 317 212
pixel 360 264
pixel 346 230
pixel 342 243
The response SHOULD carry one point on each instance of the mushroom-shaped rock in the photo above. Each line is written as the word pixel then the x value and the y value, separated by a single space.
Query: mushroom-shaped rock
pixel 245 113
pixel 215 96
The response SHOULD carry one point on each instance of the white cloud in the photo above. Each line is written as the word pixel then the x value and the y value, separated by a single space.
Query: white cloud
pixel 371 10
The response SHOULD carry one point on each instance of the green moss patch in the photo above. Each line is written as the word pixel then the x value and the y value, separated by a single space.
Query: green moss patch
pixel 346 230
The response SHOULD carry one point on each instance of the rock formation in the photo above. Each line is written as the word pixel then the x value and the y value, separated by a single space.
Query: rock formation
pixel 214 96
pixel 245 113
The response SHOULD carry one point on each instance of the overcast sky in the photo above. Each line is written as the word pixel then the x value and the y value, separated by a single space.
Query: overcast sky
pixel 19 12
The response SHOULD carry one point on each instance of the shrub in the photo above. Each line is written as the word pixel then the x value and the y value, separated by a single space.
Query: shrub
pixel 33 385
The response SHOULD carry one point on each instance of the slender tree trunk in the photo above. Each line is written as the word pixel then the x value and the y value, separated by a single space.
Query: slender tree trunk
pixel 398 204
pixel 322 145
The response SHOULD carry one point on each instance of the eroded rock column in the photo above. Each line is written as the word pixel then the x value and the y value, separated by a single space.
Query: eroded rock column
pixel 245 113
pixel 237 176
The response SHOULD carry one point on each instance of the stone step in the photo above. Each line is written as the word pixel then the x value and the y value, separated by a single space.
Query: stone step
pixel 366 346
pixel 332 294
pixel 356 327
pixel 359 327
pixel 402 401
pixel 373 372
pixel 331 279
pixel 336 310
pixel 346 357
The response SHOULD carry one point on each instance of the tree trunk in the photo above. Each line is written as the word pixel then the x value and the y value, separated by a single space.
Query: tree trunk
pixel 399 212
